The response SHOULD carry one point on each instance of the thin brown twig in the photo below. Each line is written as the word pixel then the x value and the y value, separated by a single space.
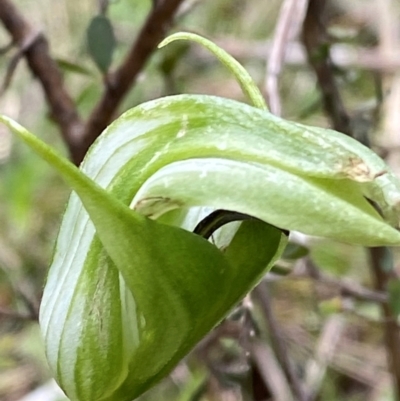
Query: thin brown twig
pixel 270 370
pixel 62 107
pixel 280 348
pixel 317 45
pixel 346 287
pixel 325 349
pixel 290 15
pixel 12 65
pixel 391 329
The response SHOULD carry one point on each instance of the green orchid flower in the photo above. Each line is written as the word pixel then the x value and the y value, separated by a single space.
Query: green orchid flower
pixel 131 288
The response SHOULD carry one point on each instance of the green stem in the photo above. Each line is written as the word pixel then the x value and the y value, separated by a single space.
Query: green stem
pixel 244 79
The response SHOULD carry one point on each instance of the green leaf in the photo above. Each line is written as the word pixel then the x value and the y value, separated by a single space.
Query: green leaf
pixel 101 42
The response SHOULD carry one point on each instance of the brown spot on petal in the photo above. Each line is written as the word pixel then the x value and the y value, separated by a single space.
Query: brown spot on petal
pixel 355 169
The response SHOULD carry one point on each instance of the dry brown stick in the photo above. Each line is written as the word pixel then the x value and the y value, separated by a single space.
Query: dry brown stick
pixel 314 37
pixel 317 45
pixel 346 287
pixel 62 107
pixel 325 349
pixel 291 12
pixel 355 290
pixel 391 329
pixel 12 65
pixel 278 345
pixel 121 81
pixel 270 370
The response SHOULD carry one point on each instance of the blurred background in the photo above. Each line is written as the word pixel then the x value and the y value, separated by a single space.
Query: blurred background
pixel 324 324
